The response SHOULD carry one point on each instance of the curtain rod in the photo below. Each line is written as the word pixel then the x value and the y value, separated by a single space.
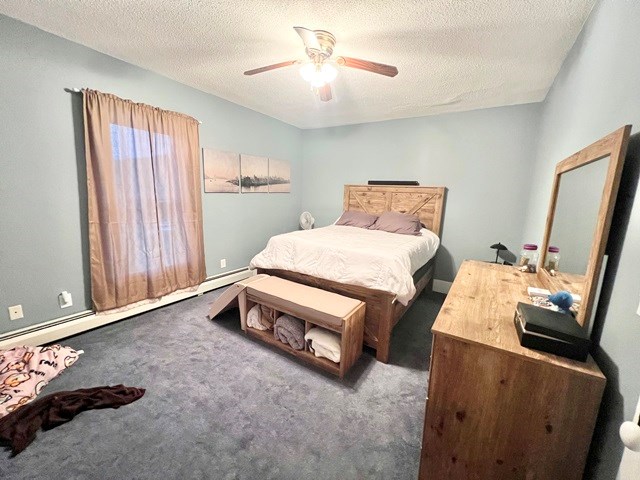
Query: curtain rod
pixel 77 90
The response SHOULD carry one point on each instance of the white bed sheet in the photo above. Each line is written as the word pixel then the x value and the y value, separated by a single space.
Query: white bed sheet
pixel 369 258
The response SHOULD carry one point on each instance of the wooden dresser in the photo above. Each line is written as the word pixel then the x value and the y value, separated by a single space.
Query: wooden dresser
pixel 496 410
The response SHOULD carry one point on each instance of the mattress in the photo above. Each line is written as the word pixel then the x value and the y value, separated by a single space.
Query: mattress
pixel 351 255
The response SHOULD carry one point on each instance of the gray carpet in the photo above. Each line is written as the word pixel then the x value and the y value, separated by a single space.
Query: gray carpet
pixel 222 406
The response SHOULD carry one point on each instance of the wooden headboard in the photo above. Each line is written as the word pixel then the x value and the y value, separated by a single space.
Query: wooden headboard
pixel 426 202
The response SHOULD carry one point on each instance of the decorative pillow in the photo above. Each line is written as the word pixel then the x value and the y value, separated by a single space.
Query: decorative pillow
pixel 395 222
pixel 357 219
pixel 24 371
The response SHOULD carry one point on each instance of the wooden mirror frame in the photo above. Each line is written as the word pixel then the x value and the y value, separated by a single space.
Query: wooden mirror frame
pixel 614 146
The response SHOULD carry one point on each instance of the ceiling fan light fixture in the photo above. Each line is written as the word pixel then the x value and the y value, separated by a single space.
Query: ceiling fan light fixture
pixel 329 72
pixel 318 74
pixel 319 71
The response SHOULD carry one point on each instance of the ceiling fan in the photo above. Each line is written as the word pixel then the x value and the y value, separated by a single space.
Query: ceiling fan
pixel 319 71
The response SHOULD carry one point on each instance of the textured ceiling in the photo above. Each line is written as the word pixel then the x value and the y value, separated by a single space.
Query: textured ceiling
pixel 452 55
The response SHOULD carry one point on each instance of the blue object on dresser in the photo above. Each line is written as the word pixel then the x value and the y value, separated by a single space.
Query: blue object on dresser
pixel 562 299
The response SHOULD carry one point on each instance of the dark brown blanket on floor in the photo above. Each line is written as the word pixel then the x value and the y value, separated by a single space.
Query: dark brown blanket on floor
pixel 19 428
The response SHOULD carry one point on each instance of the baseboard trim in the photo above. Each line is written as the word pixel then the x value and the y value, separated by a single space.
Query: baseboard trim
pixel 63 327
pixel 441 286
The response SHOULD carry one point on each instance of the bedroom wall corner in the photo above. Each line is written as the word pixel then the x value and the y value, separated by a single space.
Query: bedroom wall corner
pixel 43 246
pixel 481 156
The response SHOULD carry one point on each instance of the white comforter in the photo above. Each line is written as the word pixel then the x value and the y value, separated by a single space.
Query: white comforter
pixel 369 258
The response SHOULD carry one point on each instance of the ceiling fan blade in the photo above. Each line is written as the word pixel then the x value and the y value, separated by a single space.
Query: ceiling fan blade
pixel 381 68
pixel 308 37
pixel 325 92
pixel 270 67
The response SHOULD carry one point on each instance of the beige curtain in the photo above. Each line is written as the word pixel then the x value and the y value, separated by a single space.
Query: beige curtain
pixel 145 210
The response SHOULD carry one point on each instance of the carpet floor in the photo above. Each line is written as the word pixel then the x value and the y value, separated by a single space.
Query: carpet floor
pixel 220 405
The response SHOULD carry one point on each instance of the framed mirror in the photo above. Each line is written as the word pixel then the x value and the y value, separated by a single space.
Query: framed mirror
pixel 583 195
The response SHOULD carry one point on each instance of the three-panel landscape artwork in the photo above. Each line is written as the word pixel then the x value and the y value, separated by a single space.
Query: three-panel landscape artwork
pixel 228 172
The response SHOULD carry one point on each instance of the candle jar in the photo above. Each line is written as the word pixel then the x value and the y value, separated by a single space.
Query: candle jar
pixel 529 254
pixel 553 259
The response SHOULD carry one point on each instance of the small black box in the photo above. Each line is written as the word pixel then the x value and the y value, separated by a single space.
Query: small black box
pixel 552 332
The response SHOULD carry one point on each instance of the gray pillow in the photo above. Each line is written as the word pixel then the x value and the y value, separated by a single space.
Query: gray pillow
pixel 357 219
pixel 395 222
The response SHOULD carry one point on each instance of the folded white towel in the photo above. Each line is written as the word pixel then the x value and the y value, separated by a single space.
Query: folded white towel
pixel 253 318
pixel 320 351
pixel 324 343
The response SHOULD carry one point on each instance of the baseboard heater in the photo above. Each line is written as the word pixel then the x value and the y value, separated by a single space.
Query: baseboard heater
pixel 63 327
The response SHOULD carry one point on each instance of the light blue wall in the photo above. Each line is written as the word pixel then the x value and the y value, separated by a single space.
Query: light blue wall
pixel 43 248
pixel 596 92
pixel 483 158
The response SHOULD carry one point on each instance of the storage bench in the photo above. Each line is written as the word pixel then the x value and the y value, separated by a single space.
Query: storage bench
pixel 339 314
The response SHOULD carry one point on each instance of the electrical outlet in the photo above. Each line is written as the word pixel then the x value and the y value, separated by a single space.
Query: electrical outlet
pixel 15 312
pixel 223 263
pixel 638 312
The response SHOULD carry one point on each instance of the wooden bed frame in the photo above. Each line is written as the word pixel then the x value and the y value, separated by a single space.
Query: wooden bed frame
pixel 382 312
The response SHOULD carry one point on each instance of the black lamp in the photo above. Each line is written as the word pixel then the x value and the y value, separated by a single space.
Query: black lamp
pixel 503 253
pixel 498 247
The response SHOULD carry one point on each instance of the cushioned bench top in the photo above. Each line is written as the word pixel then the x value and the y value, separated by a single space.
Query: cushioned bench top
pixel 320 304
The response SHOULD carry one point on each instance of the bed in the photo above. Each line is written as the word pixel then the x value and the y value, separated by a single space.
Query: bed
pixel 384 307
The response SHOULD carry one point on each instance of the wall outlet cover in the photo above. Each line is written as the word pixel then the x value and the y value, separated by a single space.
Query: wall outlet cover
pixel 638 312
pixel 223 263
pixel 65 300
pixel 15 312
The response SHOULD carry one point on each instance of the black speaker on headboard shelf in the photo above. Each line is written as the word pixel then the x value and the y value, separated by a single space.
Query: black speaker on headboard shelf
pixel 413 183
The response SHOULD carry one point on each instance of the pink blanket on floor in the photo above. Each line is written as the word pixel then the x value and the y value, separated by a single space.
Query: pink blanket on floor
pixel 24 371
